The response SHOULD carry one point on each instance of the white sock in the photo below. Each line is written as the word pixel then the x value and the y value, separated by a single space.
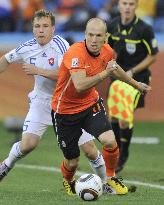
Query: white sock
pixel 14 155
pixel 98 166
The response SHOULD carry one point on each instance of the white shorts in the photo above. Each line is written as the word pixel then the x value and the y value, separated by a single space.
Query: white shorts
pixel 39 118
pixel 85 137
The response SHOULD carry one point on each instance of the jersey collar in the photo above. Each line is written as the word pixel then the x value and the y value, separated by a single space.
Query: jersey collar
pixel 46 45
pixel 128 27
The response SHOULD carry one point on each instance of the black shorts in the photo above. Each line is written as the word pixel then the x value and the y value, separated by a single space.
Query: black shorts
pixel 141 101
pixel 68 128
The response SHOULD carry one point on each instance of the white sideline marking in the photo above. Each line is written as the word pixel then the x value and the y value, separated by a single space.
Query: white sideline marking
pixel 78 173
pixel 145 140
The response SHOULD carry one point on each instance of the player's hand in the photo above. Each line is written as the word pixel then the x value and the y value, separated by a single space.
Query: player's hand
pixel 143 88
pixel 30 69
pixel 111 66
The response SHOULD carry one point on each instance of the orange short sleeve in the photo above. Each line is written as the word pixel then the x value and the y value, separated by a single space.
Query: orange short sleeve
pixel 74 60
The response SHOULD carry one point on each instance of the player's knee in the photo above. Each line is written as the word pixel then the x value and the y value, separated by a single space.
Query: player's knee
pixel 28 144
pixel 26 148
pixel 90 150
pixel 108 139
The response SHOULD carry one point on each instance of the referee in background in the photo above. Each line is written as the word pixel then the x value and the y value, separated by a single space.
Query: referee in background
pixel 135 50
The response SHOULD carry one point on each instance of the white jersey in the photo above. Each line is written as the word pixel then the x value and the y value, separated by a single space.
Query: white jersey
pixel 48 57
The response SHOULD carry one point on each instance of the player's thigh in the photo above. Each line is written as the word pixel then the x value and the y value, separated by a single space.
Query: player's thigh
pixel 85 137
pixel 39 111
pixel 96 121
pixel 68 132
pixel 37 129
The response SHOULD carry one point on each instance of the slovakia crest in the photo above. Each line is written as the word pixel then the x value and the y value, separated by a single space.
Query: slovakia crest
pixel 51 61
pixel 131 48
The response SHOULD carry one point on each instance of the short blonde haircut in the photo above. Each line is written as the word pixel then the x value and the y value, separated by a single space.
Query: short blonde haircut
pixel 44 13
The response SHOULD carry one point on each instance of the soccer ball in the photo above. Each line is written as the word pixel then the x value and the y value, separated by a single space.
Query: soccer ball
pixel 89 187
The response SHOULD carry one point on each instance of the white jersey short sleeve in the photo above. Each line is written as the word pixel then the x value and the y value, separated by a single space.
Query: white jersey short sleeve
pixel 48 57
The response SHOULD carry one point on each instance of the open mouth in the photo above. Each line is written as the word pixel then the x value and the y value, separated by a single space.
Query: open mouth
pixel 41 37
pixel 94 47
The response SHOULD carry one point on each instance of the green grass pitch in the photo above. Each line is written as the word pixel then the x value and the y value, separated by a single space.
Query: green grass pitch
pixel 33 185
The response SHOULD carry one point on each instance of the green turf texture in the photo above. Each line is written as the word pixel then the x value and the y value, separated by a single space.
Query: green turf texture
pixel 30 187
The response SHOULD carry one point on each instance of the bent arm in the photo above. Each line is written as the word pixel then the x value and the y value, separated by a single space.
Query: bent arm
pixel 83 82
pixel 50 74
pixel 120 74
pixel 150 59
pixel 3 64
pixel 33 70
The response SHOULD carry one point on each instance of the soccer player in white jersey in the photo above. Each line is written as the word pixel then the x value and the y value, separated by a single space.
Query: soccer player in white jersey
pixel 41 57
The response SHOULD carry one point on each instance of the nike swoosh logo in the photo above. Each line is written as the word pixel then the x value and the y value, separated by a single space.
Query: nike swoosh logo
pixel 94 114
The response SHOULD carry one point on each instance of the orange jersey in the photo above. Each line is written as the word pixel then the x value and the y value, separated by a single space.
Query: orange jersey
pixel 66 99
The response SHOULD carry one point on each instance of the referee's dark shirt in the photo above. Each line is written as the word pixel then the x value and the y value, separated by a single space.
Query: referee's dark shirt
pixel 132 43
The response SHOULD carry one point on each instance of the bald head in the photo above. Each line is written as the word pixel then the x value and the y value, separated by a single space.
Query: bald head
pixel 97 22
pixel 95 35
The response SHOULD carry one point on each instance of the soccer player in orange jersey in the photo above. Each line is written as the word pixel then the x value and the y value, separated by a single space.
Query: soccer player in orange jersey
pixel 41 57
pixel 76 104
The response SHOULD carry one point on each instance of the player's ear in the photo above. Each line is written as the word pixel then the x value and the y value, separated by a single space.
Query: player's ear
pixel 85 34
pixel 106 37
pixel 54 29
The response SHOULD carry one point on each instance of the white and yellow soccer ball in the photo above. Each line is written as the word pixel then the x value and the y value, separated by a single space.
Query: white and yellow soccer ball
pixel 89 187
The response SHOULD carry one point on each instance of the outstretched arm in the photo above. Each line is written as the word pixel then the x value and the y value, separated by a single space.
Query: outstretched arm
pixel 150 59
pixel 3 64
pixel 120 74
pixel 82 82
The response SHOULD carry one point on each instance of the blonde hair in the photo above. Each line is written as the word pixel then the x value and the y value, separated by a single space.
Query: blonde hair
pixel 44 13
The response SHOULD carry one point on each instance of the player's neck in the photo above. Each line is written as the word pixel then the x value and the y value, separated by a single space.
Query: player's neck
pixel 126 21
pixel 90 53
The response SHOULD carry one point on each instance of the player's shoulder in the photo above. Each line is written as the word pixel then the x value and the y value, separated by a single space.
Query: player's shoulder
pixel 107 51
pixel 77 49
pixel 60 44
pixel 142 25
pixel 78 45
pixel 106 48
pixel 26 46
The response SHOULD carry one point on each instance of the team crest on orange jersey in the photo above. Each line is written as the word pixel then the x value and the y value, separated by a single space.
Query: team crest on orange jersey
pixel 75 62
pixel 51 61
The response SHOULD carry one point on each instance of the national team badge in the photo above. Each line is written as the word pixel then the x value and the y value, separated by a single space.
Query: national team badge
pixel 74 62
pixel 51 61
pixel 11 56
pixel 131 48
